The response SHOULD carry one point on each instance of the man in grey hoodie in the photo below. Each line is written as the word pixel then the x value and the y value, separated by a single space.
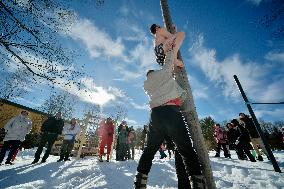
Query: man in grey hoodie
pixel 166 119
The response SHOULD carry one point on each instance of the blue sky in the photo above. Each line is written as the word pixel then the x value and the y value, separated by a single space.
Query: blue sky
pixel 222 39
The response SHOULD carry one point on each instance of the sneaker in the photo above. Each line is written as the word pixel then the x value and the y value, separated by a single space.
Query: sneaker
pixel 8 163
pixel 198 182
pixel 217 155
pixel 67 159
pixel 43 161
pixel 140 181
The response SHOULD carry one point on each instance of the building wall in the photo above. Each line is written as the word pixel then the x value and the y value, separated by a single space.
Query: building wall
pixel 7 111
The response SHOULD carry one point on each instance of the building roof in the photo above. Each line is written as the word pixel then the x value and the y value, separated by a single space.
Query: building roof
pixel 23 107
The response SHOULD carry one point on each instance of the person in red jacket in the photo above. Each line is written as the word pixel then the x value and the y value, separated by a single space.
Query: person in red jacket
pixel 221 140
pixel 105 133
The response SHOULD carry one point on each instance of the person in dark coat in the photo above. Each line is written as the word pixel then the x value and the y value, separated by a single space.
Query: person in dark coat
pixel 121 148
pixel 50 129
pixel 243 141
pixel 256 141
pixel 232 135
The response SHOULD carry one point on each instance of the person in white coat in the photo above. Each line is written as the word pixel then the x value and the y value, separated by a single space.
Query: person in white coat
pixel 69 131
pixel 16 130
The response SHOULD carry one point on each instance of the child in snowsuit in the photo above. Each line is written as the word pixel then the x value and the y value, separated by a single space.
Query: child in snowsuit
pixel 162 150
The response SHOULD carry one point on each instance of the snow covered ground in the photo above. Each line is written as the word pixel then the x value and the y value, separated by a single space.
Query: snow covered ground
pixel 89 173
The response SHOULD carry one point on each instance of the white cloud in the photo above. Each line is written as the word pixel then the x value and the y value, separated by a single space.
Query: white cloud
pixel 274 92
pixel 97 42
pixel 252 76
pixel 141 59
pixel 140 107
pixel 277 57
pixel 131 122
pixel 144 54
pixel 276 113
pixel 199 89
pixel 124 10
pixel 255 2
pixel 127 75
pixel 117 92
pixel 90 92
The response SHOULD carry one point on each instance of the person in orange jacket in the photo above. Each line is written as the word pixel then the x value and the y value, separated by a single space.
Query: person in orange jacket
pixel 105 133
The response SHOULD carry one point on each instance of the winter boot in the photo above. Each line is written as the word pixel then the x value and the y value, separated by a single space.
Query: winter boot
pixel 140 181
pixel 198 182
pixel 107 158
pixel 228 156
pixel 8 163
pixel 217 155
pixel 61 159
pixel 67 158
pixel 259 158
pixel 35 161
pixel 101 158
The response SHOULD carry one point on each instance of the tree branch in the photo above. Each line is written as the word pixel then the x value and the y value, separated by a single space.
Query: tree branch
pixel 25 63
pixel 19 22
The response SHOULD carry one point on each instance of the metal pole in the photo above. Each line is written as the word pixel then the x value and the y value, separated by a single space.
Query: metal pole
pixel 258 128
pixel 267 102
pixel 189 110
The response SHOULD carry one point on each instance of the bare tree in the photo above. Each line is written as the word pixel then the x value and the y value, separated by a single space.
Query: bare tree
pixel 119 113
pixel 62 102
pixel 29 38
pixel 95 111
pixel 13 85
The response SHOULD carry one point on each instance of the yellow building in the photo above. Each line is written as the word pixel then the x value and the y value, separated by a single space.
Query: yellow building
pixel 10 109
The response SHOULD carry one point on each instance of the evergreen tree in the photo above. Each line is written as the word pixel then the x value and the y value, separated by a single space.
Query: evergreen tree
pixel 206 125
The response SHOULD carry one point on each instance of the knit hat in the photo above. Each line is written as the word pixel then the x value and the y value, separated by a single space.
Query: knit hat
pixel 235 122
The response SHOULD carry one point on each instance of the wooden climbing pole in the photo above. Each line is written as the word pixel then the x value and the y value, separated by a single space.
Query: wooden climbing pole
pixel 189 109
